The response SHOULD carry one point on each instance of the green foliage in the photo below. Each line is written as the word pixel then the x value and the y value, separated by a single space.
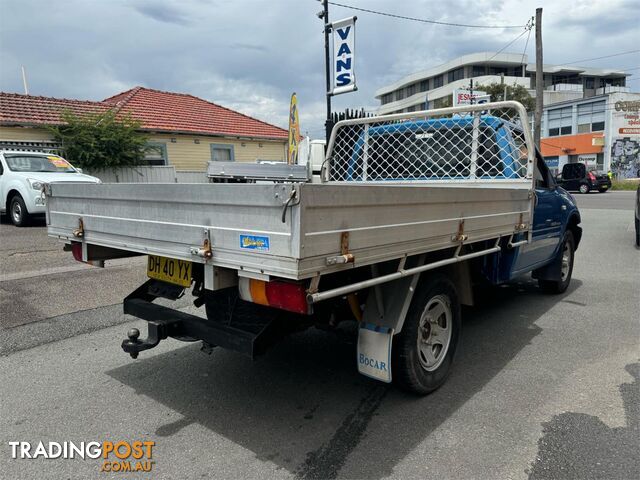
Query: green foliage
pixel 100 140
pixel 624 184
pixel 514 92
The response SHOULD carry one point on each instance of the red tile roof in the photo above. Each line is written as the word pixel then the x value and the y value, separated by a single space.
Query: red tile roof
pixel 158 111
pixel 17 109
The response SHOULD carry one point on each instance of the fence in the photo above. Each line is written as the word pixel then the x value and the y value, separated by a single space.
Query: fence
pixel 139 174
pixel 191 177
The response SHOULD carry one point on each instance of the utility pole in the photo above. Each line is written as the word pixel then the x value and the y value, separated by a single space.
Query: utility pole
pixel 327 66
pixel 539 79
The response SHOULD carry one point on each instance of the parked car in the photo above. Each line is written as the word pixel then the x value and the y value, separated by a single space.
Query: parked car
pixel 576 177
pixel 638 216
pixel 22 176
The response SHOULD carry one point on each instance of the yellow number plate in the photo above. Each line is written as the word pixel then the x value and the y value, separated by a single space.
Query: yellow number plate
pixel 169 270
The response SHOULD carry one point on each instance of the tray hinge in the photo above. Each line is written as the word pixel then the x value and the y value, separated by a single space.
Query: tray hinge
pixel 79 232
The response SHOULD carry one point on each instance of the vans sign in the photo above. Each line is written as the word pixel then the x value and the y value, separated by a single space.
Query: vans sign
pixel 344 43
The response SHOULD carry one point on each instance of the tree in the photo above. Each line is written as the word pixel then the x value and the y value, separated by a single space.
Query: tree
pixel 100 140
pixel 514 92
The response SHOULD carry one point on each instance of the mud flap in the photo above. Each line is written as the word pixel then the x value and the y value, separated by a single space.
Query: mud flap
pixel 374 351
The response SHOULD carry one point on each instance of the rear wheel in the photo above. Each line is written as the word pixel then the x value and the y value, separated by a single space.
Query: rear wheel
pixel 584 188
pixel 18 211
pixel 638 232
pixel 566 256
pixel 602 190
pixel 424 350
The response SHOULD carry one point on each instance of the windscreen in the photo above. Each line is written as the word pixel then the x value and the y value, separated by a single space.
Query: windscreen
pixel 38 163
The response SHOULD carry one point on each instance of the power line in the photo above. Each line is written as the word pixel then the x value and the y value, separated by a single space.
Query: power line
pixel 600 58
pixel 508 44
pixel 524 52
pixel 422 20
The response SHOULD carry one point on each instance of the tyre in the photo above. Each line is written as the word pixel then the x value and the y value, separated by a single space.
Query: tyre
pixel 638 232
pixel 602 190
pixel 565 257
pixel 584 188
pixel 18 211
pixel 423 352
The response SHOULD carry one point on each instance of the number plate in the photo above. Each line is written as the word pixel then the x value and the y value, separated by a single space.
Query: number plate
pixel 169 270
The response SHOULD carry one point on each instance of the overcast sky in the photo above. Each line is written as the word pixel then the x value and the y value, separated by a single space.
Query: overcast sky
pixel 251 54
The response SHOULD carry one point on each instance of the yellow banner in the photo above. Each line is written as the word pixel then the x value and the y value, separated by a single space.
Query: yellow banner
pixel 294 131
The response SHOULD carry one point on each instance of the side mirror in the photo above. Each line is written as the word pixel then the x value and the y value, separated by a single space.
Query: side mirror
pixel 79 170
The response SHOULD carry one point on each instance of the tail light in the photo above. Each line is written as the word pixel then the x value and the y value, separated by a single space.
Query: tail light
pixel 290 296
pixel 76 250
pixel 591 176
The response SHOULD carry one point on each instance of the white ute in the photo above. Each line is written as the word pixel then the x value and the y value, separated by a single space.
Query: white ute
pixel 22 176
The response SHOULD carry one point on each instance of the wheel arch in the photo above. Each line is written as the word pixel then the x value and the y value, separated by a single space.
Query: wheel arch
pixel 573 225
pixel 13 191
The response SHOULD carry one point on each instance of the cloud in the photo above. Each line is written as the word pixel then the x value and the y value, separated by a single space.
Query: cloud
pixel 161 11
pixel 251 55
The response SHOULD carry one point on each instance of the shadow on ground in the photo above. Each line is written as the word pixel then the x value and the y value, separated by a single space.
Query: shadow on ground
pixel 34 221
pixel 581 446
pixel 304 406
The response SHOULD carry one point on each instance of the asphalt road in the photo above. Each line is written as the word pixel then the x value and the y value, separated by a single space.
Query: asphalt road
pixel 544 386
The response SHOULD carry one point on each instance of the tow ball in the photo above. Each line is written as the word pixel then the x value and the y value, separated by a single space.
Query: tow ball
pixel 133 346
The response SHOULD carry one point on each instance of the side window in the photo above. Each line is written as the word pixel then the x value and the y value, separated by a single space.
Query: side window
pixel 222 152
pixel 568 172
pixel 1 168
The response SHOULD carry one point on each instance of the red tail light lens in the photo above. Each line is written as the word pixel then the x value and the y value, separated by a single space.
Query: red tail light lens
pixel 289 296
pixel 592 177
pixel 76 249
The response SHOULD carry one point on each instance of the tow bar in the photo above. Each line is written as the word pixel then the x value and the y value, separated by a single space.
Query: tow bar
pixel 250 338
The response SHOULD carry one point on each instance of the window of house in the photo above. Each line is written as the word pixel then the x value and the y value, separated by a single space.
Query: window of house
pixel 400 94
pixel 589 82
pixel 155 154
pixel 411 89
pixel 559 121
pixel 457 74
pixel 438 81
pixel 222 152
pixel 424 85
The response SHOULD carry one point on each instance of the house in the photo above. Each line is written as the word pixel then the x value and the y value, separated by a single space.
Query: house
pixel 184 131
